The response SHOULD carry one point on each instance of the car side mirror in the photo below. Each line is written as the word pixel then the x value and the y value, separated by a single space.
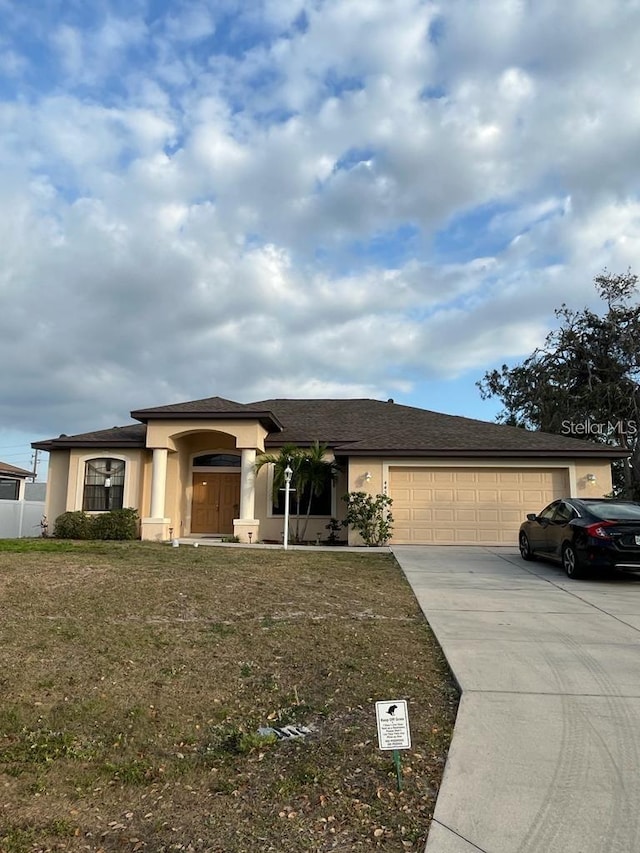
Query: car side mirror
pixel 531 516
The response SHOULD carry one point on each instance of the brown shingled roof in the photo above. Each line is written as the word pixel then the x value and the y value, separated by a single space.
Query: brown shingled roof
pixel 205 408
pixel 132 435
pixel 11 470
pixel 371 426
pixel 355 427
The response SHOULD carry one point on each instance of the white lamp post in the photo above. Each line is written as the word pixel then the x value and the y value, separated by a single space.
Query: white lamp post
pixel 288 474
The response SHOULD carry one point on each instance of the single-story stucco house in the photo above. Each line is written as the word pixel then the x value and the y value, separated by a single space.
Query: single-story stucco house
pixel 12 482
pixel 189 469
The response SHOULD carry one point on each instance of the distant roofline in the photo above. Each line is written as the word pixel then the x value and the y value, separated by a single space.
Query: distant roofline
pixel 358 438
pixel 13 472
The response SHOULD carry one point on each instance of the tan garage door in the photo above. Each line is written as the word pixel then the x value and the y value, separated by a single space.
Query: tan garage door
pixel 469 506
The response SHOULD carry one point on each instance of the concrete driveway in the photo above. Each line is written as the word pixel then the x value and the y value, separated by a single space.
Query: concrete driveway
pixel 545 756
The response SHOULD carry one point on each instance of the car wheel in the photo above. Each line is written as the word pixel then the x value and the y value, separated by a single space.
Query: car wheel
pixel 571 563
pixel 525 548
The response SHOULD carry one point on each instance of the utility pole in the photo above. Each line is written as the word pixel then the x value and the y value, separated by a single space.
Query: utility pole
pixel 35 461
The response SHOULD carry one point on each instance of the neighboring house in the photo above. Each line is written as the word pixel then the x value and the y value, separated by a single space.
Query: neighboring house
pixel 20 513
pixel 12 482
pixel 189 469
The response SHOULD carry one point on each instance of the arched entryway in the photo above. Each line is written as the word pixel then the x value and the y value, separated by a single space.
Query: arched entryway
pixel 215 501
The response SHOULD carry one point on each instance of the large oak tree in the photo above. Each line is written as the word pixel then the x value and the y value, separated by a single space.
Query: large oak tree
pixel 584 380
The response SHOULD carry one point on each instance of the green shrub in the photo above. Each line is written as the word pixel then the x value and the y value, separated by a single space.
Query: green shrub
pixel 73 525
pixel 116 524
pixel 370 516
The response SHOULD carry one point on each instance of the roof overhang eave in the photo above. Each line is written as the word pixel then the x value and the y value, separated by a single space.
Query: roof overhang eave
pixel 588 453
pixel 268 420
pixel 63 444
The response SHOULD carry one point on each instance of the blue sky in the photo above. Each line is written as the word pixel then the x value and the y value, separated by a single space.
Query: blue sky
pixel 380 198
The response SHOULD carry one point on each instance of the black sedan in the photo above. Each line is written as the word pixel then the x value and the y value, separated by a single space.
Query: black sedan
pixel 584 534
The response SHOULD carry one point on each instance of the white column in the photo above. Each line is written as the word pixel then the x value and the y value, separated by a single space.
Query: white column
pixel 247 484
pixel 158 481
pixel 247 528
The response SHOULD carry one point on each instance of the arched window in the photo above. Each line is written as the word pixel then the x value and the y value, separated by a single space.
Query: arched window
pixel 217 460
pixel 103 485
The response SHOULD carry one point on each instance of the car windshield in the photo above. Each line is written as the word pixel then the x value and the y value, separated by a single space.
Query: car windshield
pixel 616 511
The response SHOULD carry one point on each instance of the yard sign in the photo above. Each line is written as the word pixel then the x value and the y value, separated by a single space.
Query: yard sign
pixel 393 730
pixel 393 724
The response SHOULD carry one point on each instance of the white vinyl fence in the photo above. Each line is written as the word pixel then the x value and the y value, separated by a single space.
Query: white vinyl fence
pixel 20 519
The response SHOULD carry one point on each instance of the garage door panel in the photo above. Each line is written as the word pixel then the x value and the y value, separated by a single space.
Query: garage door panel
pixel 489 496
pixel 441 513
pixel 510 478
pixel 403 495
pixel 464 516
pixel 489 516
pixel 511 516
pixel 443 537
pixel 402 515
pixel 538 498
pixel 466 477
pixel 420 514
pixel 468 505
pixel 533 477
pixel 486 478
pixel 511 495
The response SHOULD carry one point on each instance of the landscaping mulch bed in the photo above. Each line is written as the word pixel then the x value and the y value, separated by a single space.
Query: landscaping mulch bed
pixel 134 678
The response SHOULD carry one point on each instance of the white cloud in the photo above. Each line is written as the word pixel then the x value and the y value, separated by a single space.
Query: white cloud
pixel 305 198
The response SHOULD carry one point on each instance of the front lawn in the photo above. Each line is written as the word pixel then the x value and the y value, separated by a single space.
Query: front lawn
pixel 134 678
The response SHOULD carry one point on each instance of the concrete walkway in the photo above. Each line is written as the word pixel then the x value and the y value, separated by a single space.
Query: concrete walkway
pixel 545 756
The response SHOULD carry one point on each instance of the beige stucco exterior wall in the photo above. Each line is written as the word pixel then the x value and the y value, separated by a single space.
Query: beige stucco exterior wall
pixel 596 486
pixel 173 492
pixel 167 433
pixel 366 475
pixel 57 485
pixel 132 481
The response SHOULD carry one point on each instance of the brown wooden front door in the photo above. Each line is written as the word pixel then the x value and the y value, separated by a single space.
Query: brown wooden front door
pixel 216 502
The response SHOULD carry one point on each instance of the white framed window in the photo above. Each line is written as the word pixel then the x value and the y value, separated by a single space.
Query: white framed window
pixel 9 489
pixel 103 484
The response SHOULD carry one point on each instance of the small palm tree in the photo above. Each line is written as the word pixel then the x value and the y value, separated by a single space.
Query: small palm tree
pixel 310 474
pixel 290 456
pixel 315 473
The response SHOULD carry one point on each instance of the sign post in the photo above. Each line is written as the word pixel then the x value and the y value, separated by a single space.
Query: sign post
pixel 392 718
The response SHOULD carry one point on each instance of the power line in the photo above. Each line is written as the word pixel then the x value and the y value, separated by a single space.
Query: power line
pixel 15 455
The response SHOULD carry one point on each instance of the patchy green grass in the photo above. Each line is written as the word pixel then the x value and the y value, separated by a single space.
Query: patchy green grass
pixel 134 679
pixel 56 546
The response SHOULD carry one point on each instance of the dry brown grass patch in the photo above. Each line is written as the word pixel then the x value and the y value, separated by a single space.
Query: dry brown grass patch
pixel 134 678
